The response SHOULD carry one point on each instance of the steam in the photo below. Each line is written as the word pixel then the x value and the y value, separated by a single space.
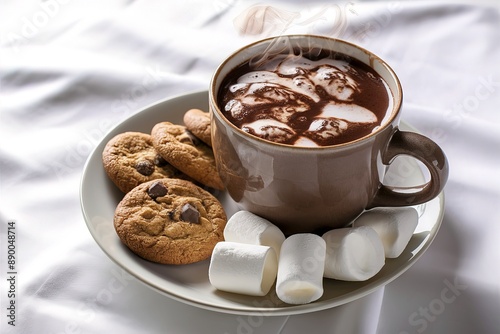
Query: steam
pixel 266 21
pixel 260 19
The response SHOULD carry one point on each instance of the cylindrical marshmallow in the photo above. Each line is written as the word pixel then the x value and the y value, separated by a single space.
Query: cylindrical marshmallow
pixel 243 268
pixel 395 227
pixel 353 254
pixel 249 228
pixel 300 269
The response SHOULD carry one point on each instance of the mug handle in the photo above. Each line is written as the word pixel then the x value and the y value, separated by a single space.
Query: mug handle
pixel 423 149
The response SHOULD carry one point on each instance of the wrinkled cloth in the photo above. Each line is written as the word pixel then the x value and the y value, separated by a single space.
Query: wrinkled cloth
pixel 71 70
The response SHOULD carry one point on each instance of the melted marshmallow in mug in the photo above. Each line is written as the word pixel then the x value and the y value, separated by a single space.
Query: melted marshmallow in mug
pixel 297 101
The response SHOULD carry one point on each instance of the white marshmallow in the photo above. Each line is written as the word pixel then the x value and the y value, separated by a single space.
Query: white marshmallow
pixel 249 228
pixel 300 269
pixel 348 112
pixel 269 128
pixel 395 227
pixel 243 268
pixel 305 142
pixel 353 254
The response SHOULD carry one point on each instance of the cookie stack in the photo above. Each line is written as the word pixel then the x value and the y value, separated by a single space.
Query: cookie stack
pixel 166 216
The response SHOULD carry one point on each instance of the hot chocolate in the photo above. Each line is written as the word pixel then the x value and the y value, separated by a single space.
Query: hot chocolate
pixel 302 100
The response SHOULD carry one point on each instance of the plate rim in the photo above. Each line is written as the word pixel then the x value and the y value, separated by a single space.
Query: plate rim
pixel 244 310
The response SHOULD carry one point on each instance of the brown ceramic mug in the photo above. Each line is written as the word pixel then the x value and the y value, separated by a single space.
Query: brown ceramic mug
pixel 313 189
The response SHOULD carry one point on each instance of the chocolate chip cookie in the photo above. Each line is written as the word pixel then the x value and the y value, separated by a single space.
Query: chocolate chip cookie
pixel 130 159
pixel 198 122
pixel 170 221
pixel 177 145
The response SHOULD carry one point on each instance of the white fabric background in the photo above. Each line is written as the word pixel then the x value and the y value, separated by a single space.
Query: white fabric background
pixel 71 70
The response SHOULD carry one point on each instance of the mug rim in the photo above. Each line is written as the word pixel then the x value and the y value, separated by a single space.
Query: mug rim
pixel 396 107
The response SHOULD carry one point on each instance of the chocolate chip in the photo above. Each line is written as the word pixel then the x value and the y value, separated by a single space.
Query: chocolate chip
pixel 159 161
pixel 190 214
pixel 145 167
pixel 157 189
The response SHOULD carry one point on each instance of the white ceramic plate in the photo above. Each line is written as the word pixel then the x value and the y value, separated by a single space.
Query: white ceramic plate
pixel 189 283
